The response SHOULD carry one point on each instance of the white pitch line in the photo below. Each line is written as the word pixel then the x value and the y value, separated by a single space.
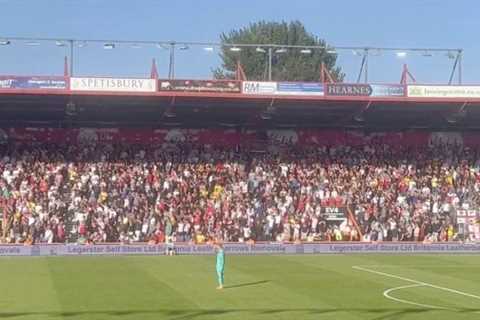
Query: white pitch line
pixel 418 282
pixel 387 295
pixel 416 266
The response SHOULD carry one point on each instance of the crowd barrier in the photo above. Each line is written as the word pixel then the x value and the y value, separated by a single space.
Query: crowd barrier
pixel 238 249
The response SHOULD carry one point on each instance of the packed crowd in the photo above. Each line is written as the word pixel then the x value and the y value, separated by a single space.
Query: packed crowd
pixel 185 192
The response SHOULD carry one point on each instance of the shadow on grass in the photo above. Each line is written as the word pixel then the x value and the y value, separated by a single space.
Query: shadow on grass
pixel 180 314
pixel 248 284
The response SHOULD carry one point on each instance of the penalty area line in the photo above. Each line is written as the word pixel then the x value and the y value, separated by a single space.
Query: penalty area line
pixel 419 266
pixel 417 284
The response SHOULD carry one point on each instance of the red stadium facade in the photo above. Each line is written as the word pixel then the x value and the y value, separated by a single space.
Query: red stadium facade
pixel 99 102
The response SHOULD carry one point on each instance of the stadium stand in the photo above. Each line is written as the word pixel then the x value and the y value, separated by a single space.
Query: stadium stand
pixel 112 192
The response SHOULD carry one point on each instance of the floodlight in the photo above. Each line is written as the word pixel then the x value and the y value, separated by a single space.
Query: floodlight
pixel 451 55
pixel 427 54
pixel 162 46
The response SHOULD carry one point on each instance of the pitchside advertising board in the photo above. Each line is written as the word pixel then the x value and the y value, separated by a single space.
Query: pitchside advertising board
pixel 45 83
pixel 113 84
pixel 415 91
pixel 283 88
pixel 239 249
pixel 365 90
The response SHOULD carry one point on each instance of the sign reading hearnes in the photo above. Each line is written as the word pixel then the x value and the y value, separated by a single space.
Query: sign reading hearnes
pixel 345 89
pixel 113 84
pixel 365 90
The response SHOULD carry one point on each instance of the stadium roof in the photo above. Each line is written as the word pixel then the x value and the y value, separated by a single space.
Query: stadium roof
pixel 187 109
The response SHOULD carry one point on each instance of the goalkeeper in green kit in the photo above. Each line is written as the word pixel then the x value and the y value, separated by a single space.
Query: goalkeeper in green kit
pixel 220 263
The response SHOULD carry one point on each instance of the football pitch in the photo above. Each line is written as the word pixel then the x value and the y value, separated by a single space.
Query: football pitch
pixel 257 287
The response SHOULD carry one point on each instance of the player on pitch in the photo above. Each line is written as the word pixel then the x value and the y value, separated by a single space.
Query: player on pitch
pixel 220 263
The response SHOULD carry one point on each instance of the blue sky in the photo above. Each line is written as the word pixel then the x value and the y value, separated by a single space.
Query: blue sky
pixel 406 23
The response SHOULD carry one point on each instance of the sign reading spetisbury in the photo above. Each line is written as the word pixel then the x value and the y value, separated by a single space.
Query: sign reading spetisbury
pixel 113 84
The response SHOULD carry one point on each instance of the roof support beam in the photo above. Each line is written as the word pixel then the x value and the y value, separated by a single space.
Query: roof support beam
pixel 457 65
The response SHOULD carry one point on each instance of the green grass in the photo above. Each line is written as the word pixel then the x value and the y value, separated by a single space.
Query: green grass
pixel 258 287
